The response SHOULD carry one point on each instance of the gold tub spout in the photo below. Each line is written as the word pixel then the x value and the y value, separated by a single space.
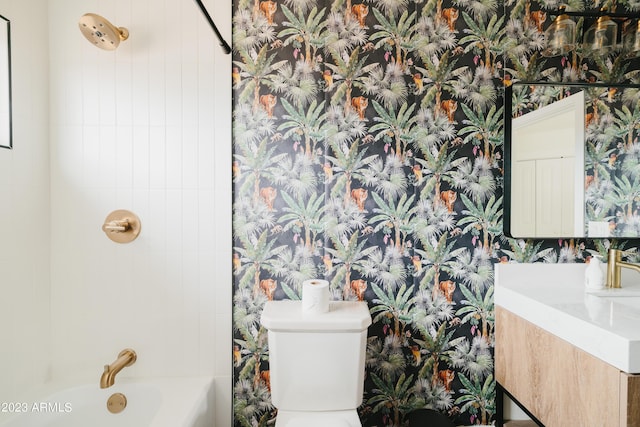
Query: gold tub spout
pixel 127 357
pixel 614 268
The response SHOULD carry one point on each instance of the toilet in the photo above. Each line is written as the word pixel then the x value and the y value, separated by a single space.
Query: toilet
pixel 316 362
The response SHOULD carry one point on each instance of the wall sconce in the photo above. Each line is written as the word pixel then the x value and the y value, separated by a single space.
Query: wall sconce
pixel 601 37
pixel 560 36
pixel 605 33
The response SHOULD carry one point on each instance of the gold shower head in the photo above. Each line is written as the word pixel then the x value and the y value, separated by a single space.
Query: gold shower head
pixel 101 32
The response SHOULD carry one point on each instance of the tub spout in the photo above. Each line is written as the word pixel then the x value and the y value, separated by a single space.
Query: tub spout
pixel 127 357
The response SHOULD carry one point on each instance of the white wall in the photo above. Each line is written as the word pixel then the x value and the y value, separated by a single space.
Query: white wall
pixel 24 208
pixel 145 128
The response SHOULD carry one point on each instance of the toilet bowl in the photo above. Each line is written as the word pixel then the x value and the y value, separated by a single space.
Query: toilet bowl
pixel 318 419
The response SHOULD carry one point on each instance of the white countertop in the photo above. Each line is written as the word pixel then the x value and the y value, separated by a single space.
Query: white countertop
pixel 553 297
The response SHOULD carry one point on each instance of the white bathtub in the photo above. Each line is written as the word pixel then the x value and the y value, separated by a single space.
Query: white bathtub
pixel 170 402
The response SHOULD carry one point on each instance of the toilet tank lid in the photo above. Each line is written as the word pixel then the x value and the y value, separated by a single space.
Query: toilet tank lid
pixel 343 316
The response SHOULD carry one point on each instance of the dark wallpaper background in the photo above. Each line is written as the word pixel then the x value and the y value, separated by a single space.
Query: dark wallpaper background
pixel 368 143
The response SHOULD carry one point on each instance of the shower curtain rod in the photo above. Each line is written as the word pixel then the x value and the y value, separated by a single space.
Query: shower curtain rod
pixel 223 43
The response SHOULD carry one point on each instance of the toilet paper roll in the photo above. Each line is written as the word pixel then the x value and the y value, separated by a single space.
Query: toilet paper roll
pixel 315 296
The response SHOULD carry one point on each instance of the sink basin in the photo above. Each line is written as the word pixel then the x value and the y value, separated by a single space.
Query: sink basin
pixel 622 314
pixel 632 304
pixel 627 290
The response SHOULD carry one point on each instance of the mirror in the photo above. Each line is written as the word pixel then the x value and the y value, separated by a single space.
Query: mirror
pixel 6 132
pixel 572 160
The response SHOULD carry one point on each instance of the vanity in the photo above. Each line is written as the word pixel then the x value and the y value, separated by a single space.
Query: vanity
pixel 567 357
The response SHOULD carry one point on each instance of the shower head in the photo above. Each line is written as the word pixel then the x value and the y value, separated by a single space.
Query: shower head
pixel 101 32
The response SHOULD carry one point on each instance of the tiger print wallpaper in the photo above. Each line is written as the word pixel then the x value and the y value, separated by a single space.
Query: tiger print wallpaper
pixel 367 143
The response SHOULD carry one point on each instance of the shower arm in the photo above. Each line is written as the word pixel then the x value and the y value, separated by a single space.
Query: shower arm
pixel 223 43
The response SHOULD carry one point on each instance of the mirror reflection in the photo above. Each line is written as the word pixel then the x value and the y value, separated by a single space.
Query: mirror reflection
pixel 5 84
pixel 572 160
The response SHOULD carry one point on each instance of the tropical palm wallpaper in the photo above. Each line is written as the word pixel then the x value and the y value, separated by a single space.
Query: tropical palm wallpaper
pixel 368 152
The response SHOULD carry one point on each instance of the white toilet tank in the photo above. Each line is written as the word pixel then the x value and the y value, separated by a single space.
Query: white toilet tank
pixel 316 360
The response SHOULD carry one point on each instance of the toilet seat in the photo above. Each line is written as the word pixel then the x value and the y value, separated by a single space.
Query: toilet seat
pixel 318 419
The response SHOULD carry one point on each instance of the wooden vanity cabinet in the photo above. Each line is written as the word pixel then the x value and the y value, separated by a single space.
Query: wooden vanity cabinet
pixel 558 383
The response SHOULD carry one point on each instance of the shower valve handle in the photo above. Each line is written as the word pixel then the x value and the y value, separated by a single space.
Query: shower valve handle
pixel 116 226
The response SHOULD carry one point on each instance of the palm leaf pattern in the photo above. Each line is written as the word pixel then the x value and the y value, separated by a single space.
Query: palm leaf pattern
pixel 367 150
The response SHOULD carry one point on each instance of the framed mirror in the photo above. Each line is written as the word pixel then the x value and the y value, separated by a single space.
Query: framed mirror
pixel 6 129
pixel 572 160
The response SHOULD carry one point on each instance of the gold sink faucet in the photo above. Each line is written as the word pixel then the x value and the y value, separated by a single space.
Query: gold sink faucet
pixel 614 268
pixel 127 357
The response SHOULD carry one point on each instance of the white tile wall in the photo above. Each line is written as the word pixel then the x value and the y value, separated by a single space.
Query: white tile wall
pixel 145 128
pixel 24 209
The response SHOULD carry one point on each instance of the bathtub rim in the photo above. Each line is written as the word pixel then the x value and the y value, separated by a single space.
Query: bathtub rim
pixel 190 398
